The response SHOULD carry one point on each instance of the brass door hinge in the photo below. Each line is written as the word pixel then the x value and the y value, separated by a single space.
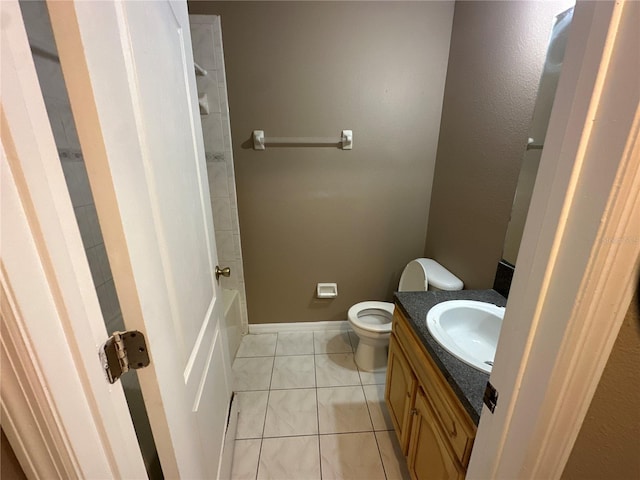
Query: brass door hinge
pixel 124 351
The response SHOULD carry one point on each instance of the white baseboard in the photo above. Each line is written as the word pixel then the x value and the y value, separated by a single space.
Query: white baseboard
pixel 299 326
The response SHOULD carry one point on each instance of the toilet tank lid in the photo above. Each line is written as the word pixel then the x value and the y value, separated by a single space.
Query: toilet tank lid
pixel 421 272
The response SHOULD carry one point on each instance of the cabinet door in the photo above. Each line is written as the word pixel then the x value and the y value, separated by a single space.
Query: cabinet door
pixel 399 393
pixel 429 458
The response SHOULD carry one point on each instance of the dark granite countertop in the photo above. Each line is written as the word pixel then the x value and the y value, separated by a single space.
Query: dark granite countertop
pixel 467 382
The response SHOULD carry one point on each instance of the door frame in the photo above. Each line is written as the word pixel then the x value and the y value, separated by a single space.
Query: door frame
pixel 61 416
pixel 543 257
pixel 578 261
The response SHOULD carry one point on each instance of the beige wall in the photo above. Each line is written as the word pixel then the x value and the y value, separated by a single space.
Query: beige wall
pixel 608 445
pixel 321 214
pixel 497 54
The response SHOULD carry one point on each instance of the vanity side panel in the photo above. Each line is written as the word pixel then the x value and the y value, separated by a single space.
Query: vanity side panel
pixel 400 393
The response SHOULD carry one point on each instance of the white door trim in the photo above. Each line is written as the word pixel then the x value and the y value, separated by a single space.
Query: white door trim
pixel 86 426
pixel 29 418
pixel 578 261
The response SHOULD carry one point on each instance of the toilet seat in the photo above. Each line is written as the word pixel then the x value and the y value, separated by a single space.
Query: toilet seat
pixel 372 316
pixel 371 321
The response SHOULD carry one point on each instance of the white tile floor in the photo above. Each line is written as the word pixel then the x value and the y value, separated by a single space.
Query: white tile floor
pixel 307 412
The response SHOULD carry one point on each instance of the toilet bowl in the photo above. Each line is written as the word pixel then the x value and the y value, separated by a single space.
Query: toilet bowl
pixel 371 321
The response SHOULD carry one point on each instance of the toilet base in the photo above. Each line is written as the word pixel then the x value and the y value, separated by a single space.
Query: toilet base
pixel 371 358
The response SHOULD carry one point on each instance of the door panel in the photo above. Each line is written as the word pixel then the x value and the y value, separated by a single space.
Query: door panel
pixel 132 87
pixel 177 187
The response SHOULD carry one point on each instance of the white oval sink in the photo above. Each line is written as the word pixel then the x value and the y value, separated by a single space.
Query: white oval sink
pixel 468 330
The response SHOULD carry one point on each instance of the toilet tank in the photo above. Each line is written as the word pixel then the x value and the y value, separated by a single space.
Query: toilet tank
pixel 425 273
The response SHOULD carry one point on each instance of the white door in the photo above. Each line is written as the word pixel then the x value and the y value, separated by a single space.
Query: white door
pixel 130 75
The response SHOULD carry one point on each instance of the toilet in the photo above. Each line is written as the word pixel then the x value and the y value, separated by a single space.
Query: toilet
pixel 371 321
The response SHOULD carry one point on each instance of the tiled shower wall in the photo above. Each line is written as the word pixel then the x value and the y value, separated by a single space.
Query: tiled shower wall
pixel 206 35
pixel 66 137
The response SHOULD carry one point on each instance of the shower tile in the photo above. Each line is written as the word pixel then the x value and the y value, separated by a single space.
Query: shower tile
pixel 231 282
pixel 263 345
pixel 54 87
pixel 332 341
pixel 343 410
pixel 79 190
pixel 103 259
pixel 115 324
pixel 290 458
pixel 221 213
pixel 77 181
pixel 202 43
pixel 217 50
pixel 253 409
pixel 218 156
pixel 240 274
pixel 56 125
pixel 94 266
pixel 225 246
pixel 208 85
pixel 395 465
pixel 294 343
pixel 295 371
pixel 212 132
pixel 224 112
pixel 235 223
pixel 69 128
pixel 213 94
pixel 108 300
pixel 231 186
pixel 377 407
pixel 291 412
pixel 336 369
pixel 217 173
pixel 99 264
pixel 252 373
pixel 226 131
pixel 353 455
pixel 84 224
pixel 201 85
pixel 237 247
pixel 94 226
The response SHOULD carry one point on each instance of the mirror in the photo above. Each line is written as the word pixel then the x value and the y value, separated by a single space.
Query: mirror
pixel 537 133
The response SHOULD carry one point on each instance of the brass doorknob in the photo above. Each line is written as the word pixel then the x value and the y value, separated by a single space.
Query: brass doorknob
pixel 225 272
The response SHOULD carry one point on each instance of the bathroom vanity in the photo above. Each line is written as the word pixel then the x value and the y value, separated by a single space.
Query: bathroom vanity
pixel 434 399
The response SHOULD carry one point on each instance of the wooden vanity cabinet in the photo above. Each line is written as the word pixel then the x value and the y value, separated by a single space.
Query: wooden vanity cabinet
pixel 435 432
pixel 429 457
pixel 400 392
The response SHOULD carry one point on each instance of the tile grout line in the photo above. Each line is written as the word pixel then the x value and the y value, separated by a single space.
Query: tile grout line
pixel 375 437
pixel 373 427
pixel 264 422
pixel 315 376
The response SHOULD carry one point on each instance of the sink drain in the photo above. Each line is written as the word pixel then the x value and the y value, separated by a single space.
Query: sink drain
pixel 489 362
